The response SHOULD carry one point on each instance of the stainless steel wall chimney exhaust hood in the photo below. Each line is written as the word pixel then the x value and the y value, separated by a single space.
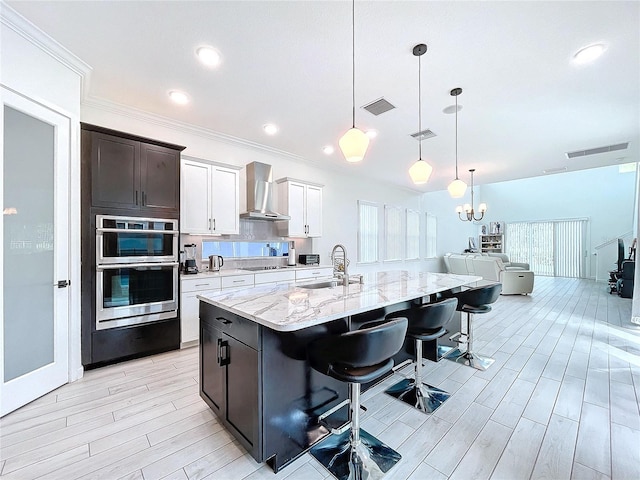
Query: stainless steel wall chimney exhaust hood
pixel 260 194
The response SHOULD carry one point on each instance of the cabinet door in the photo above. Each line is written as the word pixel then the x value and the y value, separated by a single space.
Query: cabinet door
pixel 225 208
pixel 296 209
pixel 159 177
pixel 314 211
pixel 189 317
pixel 242 389
pixel 196 195
pixel 213 375
pixel 115 171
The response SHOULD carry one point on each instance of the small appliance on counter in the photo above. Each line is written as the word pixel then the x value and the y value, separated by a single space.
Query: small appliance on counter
pixel 309 259
pixel 291 259
pixel 190 265
pixel 215 262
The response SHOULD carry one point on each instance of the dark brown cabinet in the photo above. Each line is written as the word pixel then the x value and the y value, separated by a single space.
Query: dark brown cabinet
pixel 133 173
pixel 229 382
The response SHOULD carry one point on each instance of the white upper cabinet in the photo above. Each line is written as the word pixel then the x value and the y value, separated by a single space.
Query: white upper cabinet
pixel 302 201
pixel 209 198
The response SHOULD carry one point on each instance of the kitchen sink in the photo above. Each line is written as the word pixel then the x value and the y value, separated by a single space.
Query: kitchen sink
pixel 327 284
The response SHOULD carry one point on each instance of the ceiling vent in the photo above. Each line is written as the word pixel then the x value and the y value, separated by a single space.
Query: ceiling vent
pixel 379 106
pixel 423 135
pixel 554 170
pixel 594 151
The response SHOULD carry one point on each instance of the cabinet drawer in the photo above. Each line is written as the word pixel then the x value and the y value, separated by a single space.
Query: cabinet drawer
pixel 233 325
pixel 237 281
pixel 311 273
pixel 273 277
pixel 197 284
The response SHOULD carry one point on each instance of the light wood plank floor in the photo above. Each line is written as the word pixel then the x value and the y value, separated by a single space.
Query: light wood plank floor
pixel 560 402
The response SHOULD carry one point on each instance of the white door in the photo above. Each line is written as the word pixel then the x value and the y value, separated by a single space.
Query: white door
pixel 34 326
pixel 224 201
pixel 195 195
pixel 314 211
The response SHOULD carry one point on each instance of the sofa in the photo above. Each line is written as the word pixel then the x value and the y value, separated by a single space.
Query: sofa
pixel 509 264
pixel 515 280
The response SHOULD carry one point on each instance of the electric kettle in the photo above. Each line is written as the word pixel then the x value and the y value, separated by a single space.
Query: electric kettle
pixel 215 262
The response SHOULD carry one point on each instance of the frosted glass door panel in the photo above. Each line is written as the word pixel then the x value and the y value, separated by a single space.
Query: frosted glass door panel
pixel 28 266
pixel 35 250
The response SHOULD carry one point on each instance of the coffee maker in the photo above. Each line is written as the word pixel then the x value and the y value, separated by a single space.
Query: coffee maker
pixel 190 266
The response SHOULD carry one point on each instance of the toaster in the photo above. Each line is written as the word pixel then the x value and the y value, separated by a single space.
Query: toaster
pixel 309 259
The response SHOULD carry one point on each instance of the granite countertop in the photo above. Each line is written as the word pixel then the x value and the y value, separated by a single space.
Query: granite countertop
pixel 289 307
pixel 226 272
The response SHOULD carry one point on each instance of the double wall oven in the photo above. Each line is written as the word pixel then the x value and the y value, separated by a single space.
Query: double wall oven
pixel 136 270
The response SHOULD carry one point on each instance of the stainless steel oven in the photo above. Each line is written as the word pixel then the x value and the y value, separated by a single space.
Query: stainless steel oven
pixel 136 270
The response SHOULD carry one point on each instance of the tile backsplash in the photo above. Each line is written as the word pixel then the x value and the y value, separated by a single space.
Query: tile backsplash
pixel 250 230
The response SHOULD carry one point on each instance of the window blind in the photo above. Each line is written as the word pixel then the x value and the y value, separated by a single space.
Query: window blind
pixel 413 235
pixel 367 232
pixel 431 236
pixel 393 233
pixel 554 248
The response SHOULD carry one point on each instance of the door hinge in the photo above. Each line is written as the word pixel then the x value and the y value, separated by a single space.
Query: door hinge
pixel 62 283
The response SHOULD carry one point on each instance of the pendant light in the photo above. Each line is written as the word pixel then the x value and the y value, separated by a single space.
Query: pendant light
pixel 354 142
pixel 457 187
pixel 421 170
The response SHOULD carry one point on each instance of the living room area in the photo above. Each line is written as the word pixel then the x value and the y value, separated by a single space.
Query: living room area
pixel 599 205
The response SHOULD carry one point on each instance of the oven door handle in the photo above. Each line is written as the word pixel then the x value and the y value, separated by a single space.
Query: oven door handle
pixel 133 230
pixel 136 265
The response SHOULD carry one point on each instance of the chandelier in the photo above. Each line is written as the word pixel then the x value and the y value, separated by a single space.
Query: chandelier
pixel 468 208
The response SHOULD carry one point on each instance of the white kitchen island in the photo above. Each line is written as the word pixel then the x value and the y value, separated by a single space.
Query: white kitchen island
pixel 253 368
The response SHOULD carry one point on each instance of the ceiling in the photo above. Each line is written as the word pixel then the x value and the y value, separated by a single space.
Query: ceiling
pixel 525 103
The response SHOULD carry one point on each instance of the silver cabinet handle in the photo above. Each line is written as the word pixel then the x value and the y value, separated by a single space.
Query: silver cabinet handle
pixel 214 223
pixel 239 281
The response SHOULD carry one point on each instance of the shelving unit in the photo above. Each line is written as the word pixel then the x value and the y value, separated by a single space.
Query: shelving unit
pixel 493 243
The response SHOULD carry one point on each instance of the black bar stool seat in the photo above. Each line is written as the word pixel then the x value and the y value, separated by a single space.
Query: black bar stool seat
pixel 476 300
pixel 426 323
pixel 356 357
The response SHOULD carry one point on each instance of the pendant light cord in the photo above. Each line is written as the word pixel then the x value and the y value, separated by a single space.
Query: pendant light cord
pixel 420 103
pixel 353 60
pixel 456 137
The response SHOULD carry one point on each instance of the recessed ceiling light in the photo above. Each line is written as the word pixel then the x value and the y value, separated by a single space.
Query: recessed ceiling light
pixel 589 53
pixel 208 56
pixel 371 133
pixel 328 150
pixel 270 129
pixel 179 97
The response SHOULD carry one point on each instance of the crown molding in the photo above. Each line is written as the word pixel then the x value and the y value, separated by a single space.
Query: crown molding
pixel 166 122
pixel 11 19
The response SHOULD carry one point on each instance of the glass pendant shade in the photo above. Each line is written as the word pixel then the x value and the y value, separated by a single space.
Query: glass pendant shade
pixel 457 188
pixel 420 172
pixel 482 207
pixel 354 145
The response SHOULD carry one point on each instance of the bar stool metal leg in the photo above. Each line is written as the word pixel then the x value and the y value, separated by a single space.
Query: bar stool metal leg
pixel 419 395
pixel 355 454
pixel 468 357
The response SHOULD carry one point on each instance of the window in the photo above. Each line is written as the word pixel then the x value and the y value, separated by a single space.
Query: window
pixel 367 232
pixel 413 235
pixel 554 248
pixel 393 233
pixel 431 236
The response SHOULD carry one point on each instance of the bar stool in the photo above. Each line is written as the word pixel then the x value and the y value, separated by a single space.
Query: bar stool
pixel 356 357
pixel 474 301
pixel 426 323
